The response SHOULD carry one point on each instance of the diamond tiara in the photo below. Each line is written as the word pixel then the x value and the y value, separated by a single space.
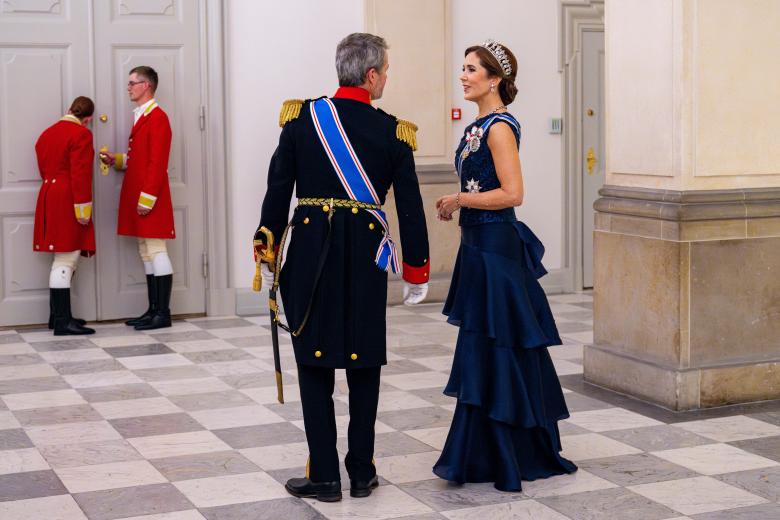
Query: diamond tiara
pixel 498 52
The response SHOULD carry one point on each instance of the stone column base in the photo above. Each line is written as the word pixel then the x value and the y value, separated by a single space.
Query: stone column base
pixel 687 296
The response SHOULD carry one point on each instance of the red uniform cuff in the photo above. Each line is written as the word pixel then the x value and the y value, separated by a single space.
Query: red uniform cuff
pixel 417 275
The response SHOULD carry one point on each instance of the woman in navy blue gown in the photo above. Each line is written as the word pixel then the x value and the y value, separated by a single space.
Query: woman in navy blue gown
pixel 509 399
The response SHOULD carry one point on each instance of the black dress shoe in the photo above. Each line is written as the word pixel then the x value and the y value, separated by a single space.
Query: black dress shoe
pixel 361 489
pixel 322 491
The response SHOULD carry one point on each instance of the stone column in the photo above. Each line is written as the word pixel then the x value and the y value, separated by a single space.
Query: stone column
pixel 687 240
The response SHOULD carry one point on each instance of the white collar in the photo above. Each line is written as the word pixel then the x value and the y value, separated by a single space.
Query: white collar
pixel 140 109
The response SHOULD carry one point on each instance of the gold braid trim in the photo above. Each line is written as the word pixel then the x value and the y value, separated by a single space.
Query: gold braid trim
pixel 406 131
pixel 291 109
pixel 337 203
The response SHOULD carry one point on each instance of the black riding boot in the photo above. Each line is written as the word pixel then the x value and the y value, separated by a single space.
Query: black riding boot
pixel 151 293
pixel 64 324
pixel 51 313
pixel 162 315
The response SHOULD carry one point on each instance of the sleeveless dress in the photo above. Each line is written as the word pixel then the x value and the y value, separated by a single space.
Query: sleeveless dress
pixel 504 429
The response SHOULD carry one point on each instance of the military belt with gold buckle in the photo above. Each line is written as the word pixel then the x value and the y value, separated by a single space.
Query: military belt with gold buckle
pixel 328 204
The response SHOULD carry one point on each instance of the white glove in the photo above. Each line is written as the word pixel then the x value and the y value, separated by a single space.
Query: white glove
pixel 414 293
pixel 268 276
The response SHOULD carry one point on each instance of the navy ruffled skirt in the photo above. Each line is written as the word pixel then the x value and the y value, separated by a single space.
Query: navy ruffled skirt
pixel 509 399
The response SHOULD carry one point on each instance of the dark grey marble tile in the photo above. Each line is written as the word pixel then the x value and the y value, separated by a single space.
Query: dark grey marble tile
pixel 761 512
pixel 59 345
pixel 764 482
pixel 289 508
pixel 261 435
pixel 615 504
pixel 403 366
pixel 86 367
pixel 581 403
pixel 155 425
pixel 573 326
pixel 88 454
pixel 227 323
pixel 214 356
pixel 390 444
pixel 433 396
pixel 20 359
pixel 294 412
pixel 770 417
pixel 132 501
pixel 567 428
pixel 57 415
pixel 211 400
pixel 204 465
pixel 31 484
pixel 38 384
pixel 631 470
pixel 6 339
pixel 768 447
pixel 656 438
pixel 172 373
pixel 422 351
pixel 118 392
pixel 409 319
pixel 139 350
pixel 417 418
pixel 188 335
pixel 256 380
pixel 14 439
pixel 116 330
pixel 441 495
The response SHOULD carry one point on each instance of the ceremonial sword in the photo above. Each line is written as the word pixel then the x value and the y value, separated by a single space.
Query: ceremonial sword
pixel 268 256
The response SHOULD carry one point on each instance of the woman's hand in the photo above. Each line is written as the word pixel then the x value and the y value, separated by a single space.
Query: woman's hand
pixel 447 205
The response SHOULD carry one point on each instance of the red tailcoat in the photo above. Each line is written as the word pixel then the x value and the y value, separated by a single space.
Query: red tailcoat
pixel 65 154
pixel 146 179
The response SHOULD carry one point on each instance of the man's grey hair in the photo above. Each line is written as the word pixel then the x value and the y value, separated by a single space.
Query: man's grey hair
pixel 356 55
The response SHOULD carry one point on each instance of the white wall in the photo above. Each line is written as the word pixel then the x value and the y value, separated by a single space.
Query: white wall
pixel 530 29
pixel 281 50
pixel 276 50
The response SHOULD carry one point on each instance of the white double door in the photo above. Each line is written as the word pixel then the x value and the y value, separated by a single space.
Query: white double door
pixel 52 51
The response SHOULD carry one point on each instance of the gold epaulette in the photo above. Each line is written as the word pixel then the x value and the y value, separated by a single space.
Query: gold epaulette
pixel 291 109
pixel 406 131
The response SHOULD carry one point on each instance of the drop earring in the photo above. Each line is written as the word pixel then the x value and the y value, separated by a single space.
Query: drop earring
pixel 492 87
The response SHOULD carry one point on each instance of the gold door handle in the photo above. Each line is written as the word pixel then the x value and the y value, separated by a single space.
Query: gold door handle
pixel 103 166
pixel 590 159
pixel 103 118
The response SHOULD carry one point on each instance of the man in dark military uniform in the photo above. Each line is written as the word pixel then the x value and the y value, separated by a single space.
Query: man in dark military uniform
pixel 334 279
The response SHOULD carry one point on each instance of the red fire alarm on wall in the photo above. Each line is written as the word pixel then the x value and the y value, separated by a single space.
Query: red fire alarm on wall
pixel 455 114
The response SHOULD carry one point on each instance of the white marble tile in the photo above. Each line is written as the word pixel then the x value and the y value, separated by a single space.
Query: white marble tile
pixel 190 514
pixel 20 461
pixel 221 418
pixel 97 477
pixel 72 356
pixel 384 503
pixel 154 361
pixel 267 394
pixel 417 380
pixel 394 401
pixel 190 386
pixel 14 372
pixel 123 341
pixel 519 510
pixel 573 351
pixel 579 482
pixel 566 368
pixel 84 454
pixel 407 468
pixel 698 495
pixel 729 429
pixel 183 326
pixel 190 443
pixel 240 332
pixel 231 489
pixel 46 335
pixel 204 345
pixel 593 446
pixel 714 459
pixel 8 421
pixel 609 419
pixel 46 399
pixel 12 349
pixel 72 433
pixel 579 297
pixel 135 407
pixel 403 340
pixel 559 308
pixel 275 457
pixel 229 368
pixel 61 507
pixel 96 379
pixel 434 437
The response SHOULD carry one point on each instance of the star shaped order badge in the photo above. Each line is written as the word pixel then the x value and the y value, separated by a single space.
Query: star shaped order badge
pixel 472 186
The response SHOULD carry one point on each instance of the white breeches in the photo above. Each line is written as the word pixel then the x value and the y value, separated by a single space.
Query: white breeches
pixel 62 269
pixel 154 253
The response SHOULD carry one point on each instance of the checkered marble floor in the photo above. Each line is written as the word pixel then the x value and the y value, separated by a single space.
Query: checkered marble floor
pixel 182 425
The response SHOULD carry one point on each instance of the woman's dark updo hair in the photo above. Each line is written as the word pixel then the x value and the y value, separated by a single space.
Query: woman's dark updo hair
pixel 82 107
pixel 506 88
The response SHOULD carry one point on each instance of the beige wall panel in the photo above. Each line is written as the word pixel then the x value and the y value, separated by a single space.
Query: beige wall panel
pixel 640 89
pixel 737 80
pixel 418 89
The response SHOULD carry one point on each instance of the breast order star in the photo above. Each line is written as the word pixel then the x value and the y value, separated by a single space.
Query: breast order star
pixel 472 186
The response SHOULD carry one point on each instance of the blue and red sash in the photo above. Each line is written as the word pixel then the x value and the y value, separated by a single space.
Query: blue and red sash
pixel 351 174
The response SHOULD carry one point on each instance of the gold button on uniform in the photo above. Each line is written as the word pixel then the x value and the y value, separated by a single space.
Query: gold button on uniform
pixel 306 220
pixel 325 208
pixel 317 353
pixel 353 357
pixel 371 226
pixel 354 210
